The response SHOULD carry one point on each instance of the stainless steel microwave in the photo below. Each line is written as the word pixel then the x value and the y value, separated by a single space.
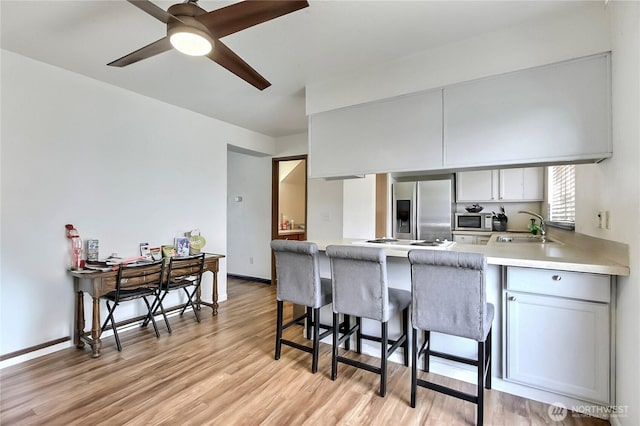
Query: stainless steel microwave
pixel 473 221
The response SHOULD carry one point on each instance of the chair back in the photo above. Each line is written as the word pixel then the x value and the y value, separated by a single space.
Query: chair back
pixel 448 292
pixel 298 272
pixel 185 270
pixel 145 275
pixel 359 281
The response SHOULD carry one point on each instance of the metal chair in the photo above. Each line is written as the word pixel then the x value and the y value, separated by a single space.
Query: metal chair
pixel 183 272
pixel 448 296
pixel 298 281
pixel 134 282
pixel 360 289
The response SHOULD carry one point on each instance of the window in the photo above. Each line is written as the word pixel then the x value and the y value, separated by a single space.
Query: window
pixel 561 192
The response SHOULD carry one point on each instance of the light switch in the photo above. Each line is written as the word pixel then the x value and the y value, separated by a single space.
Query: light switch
pixel 238 198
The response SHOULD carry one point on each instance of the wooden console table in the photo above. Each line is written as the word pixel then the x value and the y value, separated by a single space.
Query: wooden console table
pixel 99 283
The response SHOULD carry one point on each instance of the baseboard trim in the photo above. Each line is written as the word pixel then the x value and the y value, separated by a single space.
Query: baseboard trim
pixel 34 348
pixel 27 354
pixel 246 278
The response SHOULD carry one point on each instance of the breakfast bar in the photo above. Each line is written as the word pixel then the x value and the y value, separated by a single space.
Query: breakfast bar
pixel 554 326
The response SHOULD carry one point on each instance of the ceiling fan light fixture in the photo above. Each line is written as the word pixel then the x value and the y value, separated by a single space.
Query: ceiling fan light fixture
pixel 190 42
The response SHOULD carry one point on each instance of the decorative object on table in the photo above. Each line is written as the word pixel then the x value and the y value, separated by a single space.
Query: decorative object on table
pixel 182 246
pixel 92 250
pixel 196 241
pixel 156 253
pixel 115 260
pixel 474 208
pixel 145 251
pixel 168 250
pixel 499 221
pixel 533 227
pixel 76 262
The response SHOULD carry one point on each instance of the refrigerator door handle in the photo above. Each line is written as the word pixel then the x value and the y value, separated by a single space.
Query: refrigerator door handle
pixel 416 210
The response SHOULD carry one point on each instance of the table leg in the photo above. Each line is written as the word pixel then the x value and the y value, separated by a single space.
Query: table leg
pixel 79 329
pixel 96 343
pixel 215 294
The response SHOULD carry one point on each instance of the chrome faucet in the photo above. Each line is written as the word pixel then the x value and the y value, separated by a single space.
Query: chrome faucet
pixel 543 225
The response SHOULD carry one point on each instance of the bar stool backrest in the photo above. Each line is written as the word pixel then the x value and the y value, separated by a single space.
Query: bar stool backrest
pixel 359 281
pixel 297 272
pixel 448 292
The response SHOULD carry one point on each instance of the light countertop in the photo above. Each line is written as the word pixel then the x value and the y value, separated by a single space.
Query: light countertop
pixel 562 255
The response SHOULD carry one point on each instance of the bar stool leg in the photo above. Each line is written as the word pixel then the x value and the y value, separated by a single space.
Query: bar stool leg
pixel 279 329
pixel 334 355
pixel 383 358
pixel 481 366
pixel 347 327
pixel 487 345
pixel 316 340
pixel 405 333
pixel 414 366
pixel 308 321
pixel 359 335
pixel 427 349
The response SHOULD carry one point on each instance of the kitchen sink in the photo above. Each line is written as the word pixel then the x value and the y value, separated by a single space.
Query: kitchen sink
pixel 521 239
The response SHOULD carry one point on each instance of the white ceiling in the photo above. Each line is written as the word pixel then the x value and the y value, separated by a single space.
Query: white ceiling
pixel 324 40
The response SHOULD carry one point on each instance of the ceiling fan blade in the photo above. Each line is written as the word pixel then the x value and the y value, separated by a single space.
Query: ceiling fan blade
pixel 238 16
pixel 225 57
pixel 153 10
pixel 148 51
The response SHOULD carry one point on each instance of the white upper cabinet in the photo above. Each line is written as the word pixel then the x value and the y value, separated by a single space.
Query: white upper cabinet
pixel 476 186
pixel 521 184
pixel 393 135
pixel 505 185
pixel 559 112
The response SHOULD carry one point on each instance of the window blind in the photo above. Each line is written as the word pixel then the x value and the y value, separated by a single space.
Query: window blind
pixel 562 193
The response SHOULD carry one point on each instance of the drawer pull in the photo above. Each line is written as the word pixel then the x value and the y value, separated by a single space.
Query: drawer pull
pixel 512 298
pixel 556 277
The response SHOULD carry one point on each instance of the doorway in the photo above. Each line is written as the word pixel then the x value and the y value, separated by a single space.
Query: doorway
pixel 288 201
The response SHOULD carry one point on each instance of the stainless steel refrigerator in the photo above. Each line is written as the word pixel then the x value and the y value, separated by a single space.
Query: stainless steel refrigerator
pixel 423 210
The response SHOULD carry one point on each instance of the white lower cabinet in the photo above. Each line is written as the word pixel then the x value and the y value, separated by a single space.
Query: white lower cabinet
pixel 558 339
pixel 471 239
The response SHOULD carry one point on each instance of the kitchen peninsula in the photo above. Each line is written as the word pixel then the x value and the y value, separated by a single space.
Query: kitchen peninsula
pixel 555 315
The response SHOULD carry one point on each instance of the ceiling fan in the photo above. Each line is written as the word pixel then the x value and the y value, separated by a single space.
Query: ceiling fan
pixel 194 31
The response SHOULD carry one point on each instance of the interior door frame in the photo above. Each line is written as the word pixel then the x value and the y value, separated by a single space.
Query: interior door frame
pixel 275 199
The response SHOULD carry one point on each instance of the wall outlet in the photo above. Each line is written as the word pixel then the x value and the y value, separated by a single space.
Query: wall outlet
pixel 251 260
pixel 600 219
pixel 607 219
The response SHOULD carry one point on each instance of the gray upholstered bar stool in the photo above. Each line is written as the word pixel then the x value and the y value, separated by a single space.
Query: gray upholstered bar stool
pixel 360 289
pixel 298 281
pixel 448 296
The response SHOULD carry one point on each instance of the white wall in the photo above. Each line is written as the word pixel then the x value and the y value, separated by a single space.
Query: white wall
pixel 324 198
pixel 248 221
pixel 614 185
pixel 121 167
pixel 250 176
pixel 359 208
pixel 518 47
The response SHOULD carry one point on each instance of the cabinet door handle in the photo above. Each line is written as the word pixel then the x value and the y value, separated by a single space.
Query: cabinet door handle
pixel 512 298
pixel 556 277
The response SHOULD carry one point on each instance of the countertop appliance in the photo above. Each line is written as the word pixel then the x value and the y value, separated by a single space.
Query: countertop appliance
pixel 423 210
pixel 407 244
pixel 473 222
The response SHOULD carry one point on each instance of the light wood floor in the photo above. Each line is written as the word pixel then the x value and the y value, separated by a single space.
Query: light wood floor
pixel 222 371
